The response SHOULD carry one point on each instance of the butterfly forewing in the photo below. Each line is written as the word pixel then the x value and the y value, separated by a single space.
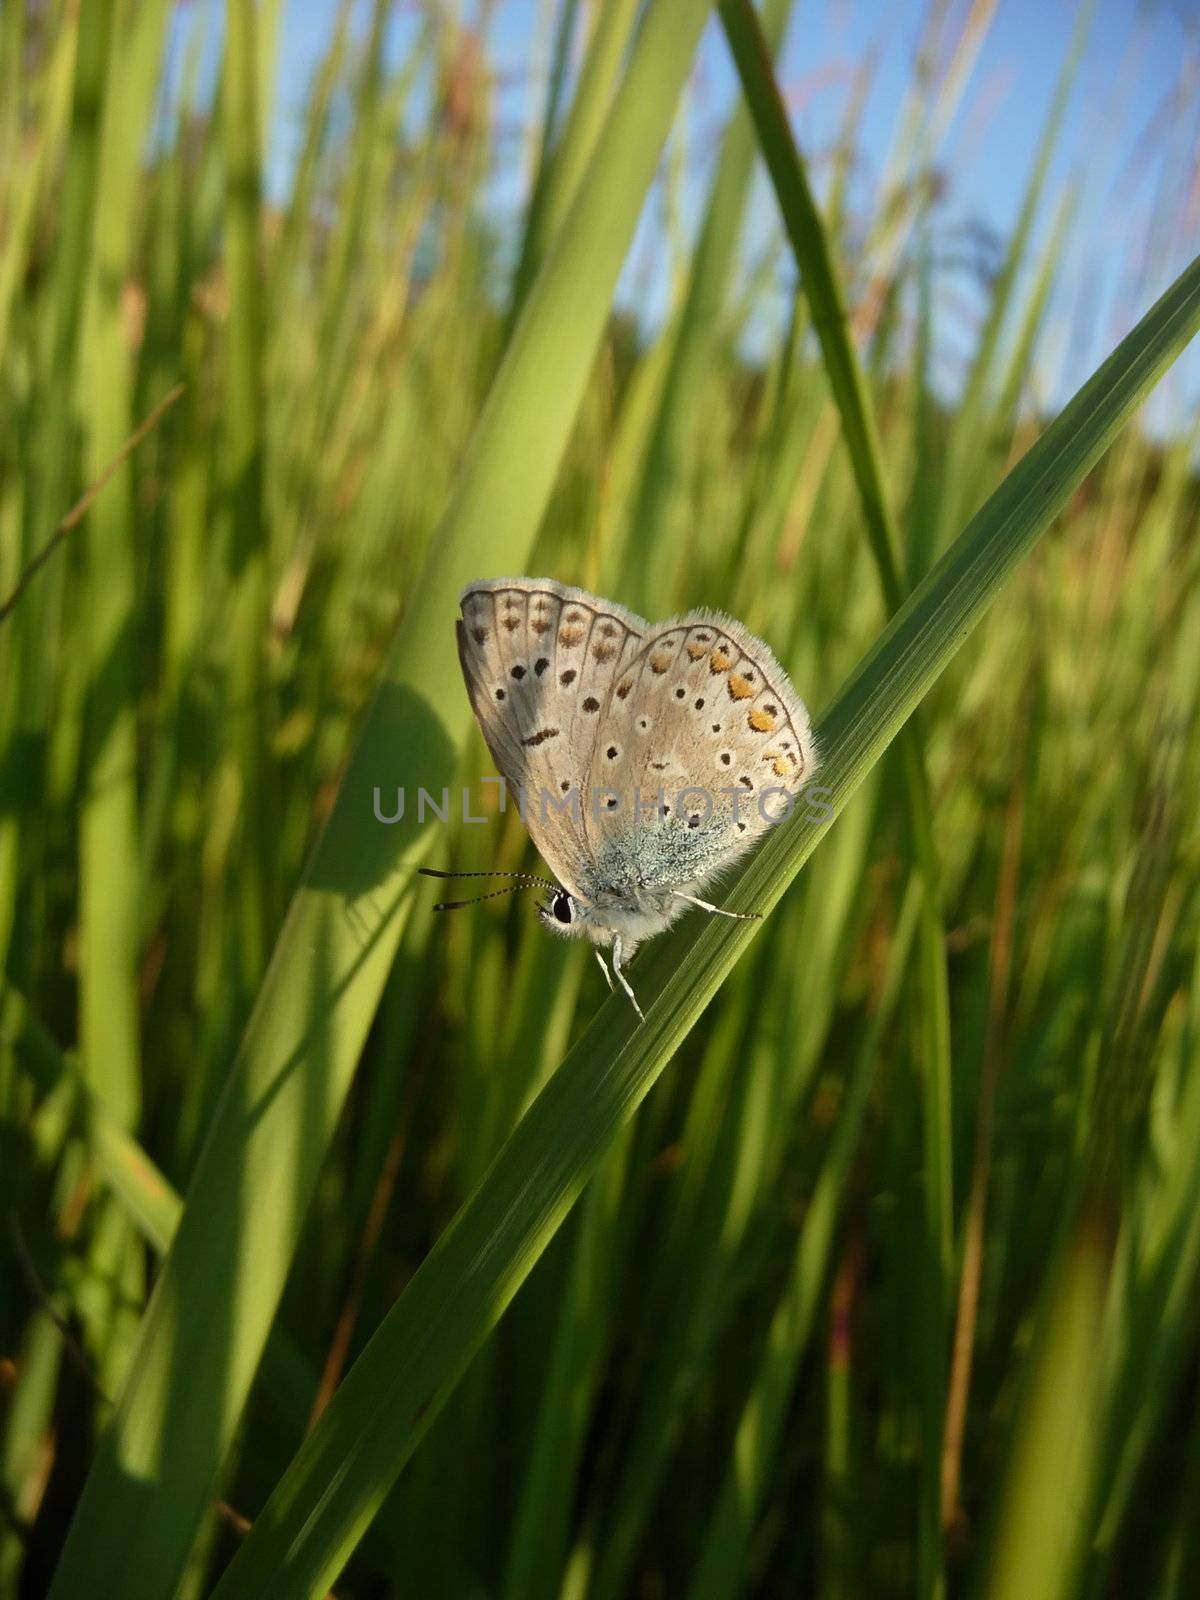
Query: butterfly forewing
pixel 540 660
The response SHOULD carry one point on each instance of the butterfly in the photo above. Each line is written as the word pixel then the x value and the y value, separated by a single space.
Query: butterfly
pixel 647 757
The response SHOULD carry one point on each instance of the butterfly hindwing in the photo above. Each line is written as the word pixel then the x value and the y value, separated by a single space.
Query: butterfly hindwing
pixel 705 739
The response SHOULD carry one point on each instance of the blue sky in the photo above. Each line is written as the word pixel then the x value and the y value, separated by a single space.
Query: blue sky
pixel 1124 151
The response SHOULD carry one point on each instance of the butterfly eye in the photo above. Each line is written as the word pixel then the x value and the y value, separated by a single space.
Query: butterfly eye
pixel 561 907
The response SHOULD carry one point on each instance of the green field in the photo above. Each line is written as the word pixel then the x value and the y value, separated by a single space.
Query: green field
pixel 349 1247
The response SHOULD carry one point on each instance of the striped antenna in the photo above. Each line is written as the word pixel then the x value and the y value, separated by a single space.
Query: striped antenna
pixel 524 880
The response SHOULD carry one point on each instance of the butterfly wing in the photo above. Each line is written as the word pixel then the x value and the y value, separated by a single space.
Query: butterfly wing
pixel 540 660
pixel 704 720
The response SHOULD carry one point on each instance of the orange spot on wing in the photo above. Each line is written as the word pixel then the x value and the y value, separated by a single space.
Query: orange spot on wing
pixel 719 662
pixel 761 721
pixel 739 689
pixel 697 650
pixel 659 662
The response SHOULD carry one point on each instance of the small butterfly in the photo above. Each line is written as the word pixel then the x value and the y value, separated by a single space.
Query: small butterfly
pixel 648 757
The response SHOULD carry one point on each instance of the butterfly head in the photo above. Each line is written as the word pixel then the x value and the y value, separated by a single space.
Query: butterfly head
pixel 562 913
pixel 600 920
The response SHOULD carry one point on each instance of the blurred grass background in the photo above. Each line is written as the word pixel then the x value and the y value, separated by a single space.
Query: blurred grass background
pixel 891 1285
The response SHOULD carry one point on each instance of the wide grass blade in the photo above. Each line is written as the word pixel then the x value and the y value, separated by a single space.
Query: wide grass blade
pixel 566 151
pixel 108 875
pixel 213 1302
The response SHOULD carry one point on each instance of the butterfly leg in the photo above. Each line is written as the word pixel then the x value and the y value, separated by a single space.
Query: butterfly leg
pixel 736 916
pixel 621 978
pixel 604 969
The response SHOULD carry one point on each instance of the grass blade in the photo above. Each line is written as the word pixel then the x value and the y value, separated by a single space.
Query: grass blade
pixel 721 1567
pixel 829 319
pixel 244 469
pixel 214 1300
pixel 814 257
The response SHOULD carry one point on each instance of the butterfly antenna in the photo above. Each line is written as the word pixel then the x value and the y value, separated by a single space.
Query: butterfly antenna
pixel 523 880
pixel 522 877
pixel 457 905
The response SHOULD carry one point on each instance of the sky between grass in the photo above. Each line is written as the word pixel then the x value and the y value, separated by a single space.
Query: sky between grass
pixel 1126 149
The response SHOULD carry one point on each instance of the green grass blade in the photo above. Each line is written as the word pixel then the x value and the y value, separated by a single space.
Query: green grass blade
pixel 961 483
pixel 218 1290
pixel 829 319
pixel 565 159
pixel 654 542
pixel 830 322
pixel 33 647
pixel 372 1425
pixel 143 1190
pixel 1037 1551
pixel 31 173
pixel 741 1111
pixel 108 844
pixel 243 482
pixel 540 1526
pixel 722 1563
